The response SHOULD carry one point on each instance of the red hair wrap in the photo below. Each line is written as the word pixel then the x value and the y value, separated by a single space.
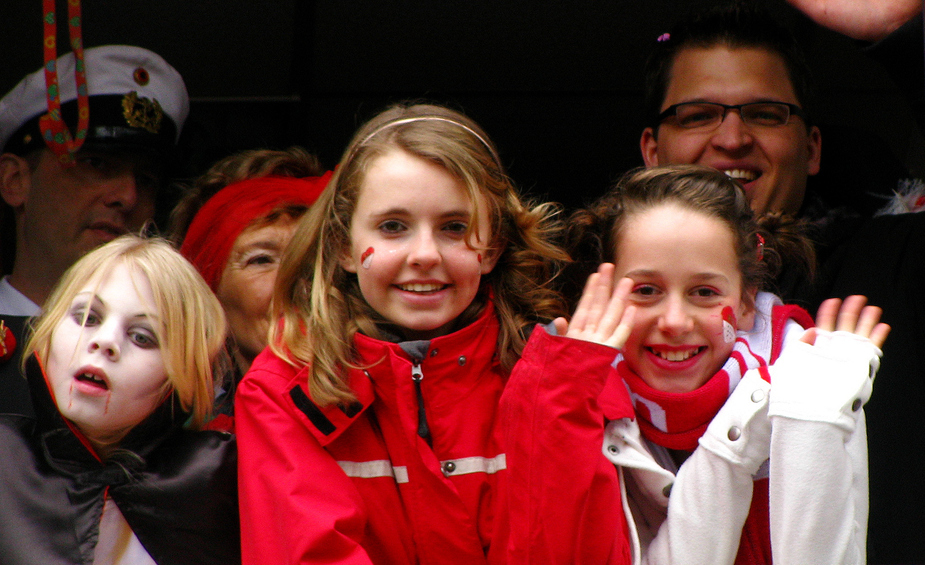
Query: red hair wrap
pixel 217 225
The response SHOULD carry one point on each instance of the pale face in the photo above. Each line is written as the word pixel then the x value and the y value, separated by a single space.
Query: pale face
pixel 685 273
pixel 408 244
pixel 70 211
pixel 246 285
pixel 108 375
pixel 772 163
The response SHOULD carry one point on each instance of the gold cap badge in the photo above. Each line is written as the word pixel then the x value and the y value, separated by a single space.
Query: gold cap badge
pixel 141 112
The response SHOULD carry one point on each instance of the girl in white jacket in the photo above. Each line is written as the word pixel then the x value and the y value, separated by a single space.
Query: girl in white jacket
pixel 730 459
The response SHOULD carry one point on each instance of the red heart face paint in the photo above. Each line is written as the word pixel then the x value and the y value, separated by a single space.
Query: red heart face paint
pixel 729 325
pixel 366 259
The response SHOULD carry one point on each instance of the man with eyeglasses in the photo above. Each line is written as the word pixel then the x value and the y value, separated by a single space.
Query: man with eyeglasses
pixel 734 101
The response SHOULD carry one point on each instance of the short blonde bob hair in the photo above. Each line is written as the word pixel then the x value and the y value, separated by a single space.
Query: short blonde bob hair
pixel 190 325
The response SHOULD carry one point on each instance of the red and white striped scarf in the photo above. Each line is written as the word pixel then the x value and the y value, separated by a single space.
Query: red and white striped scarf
pixel 677 420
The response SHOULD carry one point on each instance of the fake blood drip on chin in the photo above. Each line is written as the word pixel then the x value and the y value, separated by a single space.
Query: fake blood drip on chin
pixel 729 325
pixel 366 259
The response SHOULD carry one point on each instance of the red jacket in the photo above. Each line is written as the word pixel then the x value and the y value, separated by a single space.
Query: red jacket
pixel 581 519
pixel 564 499
pixel 361 484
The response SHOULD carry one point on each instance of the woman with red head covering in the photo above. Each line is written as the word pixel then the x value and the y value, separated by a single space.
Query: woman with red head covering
pixel 234 225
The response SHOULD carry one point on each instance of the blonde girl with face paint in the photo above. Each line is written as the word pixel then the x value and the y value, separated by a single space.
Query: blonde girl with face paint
pixel 112 469
pixel 409 295
pixel 730 458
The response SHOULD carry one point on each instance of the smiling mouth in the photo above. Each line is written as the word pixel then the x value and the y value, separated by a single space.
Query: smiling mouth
pixel 676 356
pixel 742 175
pixel 93 380
pixel 422 287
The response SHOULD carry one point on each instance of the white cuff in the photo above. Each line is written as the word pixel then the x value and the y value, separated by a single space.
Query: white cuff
pixel 826 382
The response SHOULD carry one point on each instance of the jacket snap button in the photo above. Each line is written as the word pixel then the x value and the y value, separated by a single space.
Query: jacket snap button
pixel 613 449
pixel 734 433
pixel 758 395
pixel 667 490
pixel 856 405
pixel 462 360
pixel 449 467
pixel 433 352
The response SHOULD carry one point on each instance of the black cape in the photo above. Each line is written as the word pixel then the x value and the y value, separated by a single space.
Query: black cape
pixel 177 489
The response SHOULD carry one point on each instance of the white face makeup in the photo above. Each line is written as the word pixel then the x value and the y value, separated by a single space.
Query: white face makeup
pixel 105 365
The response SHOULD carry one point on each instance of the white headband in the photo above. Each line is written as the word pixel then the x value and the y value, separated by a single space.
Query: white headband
pixel 402 121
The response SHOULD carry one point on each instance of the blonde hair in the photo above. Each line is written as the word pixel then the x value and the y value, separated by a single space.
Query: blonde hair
pixel 190 323
pixel 320 303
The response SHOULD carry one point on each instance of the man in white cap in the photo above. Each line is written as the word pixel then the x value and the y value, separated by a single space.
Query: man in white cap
pixel 59 200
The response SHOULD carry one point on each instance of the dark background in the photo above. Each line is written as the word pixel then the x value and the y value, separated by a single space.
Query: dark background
pixel 557 84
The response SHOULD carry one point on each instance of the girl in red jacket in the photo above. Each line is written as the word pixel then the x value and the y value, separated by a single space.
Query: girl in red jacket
pixel 369 430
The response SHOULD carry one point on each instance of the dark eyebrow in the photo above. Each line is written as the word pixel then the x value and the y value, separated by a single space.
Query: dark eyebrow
pixel 89 297
pixel 393 212
pixel 404 212
pixel 400 211
pixel 641 273
pixel 648 273
pixel 762 100
pixel 270 244
pixel 96 298
pixel 708 277
pixel 450 216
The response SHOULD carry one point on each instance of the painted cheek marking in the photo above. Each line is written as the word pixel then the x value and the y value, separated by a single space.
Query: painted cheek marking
pixel 366 259
pixel 479 257
pixel 729 325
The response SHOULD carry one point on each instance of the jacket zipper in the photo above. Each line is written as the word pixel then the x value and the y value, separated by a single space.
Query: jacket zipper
pixel 423 429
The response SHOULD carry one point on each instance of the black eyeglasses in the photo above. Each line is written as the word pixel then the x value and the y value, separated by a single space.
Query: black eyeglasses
pixel 708 115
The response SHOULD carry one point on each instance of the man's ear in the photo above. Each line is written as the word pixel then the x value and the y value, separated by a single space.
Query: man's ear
pixel 648 146
pixel 15 179
pixel 814 147
pixel 746 317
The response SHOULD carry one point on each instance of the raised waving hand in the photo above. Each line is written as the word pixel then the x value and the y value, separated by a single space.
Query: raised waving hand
pixel 852 315
pixel 603 315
